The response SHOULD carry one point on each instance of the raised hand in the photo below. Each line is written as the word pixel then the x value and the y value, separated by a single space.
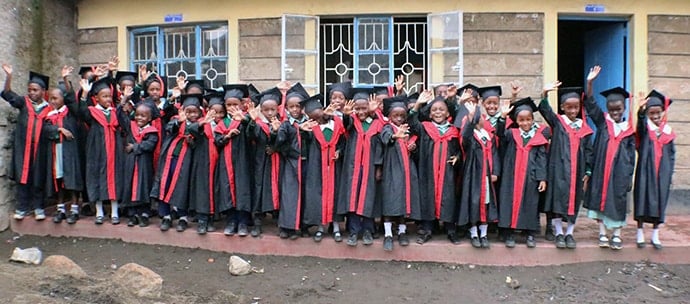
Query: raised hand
pixel 452 91
pixel 515 89
pixel 176 92
pixel 181 115
pixel 66 71
pixel 308 125
pixel 402 131
pixel 113 63
pixel 642 99
pixel 552 86
pixel 85 85
pixel 329 110
pixel 348 107
pixel 252 111
pixel 506 108
pixel 128 92
pixel 593 73
pixel 373 103
pixel 466 95
pixel 210 115
pixel 284 86
pixel 101 70
pixel 7 68
pixel 399 83
pixel 425 97
pixel 143 73
pixel 181 82
pixel 275 123
pixel 236 113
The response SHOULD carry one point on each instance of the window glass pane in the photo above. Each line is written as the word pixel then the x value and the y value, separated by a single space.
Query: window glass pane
pixel 373 69
pixel 214 72
pixel 373 34
pixel 145 46
pixel 215 41
pixel 180 42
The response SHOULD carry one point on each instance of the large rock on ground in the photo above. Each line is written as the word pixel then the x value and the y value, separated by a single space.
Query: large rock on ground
pixel 62 265
pixel 139 281
pixel 239 267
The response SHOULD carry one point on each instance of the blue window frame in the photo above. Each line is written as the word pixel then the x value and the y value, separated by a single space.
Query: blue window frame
pixel 373 59
pixel 193 51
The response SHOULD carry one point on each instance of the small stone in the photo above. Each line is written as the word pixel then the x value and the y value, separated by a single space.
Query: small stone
pixel 471 266
pixel 139 280
pixel 113 266
pixel 63 265
pixel 211 260
pixel 238 266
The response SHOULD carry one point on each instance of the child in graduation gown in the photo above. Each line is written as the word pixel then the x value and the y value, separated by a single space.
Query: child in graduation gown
pixel 569 160
pixel 262 130
pixel 234 181
pixel 104 147
pixel 655 163
pixel 362 159
pixel 523 173
pixel 399 180
pixel 63 170
pixel 438 151
pixel 289 145
pixel 142 139
pixel 63 158
pixel 338 94
pixel 324 137
pixel 204 163
pixel 613 163
pixel 171 185
pixel 478 206
pixel 27 168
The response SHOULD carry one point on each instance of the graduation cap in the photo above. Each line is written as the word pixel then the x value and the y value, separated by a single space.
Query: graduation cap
pixel 270 94
pixel 85 69
pixel 238 91
pixel 155 113
pixel 39 79
pixel 189 100
pixel 615 94
pixel 525 104
pixel 312 103
pixel 426 110
pixel 486 92
pixel 343 87
pixel 360 93
pixel 214 97
pixel 399 101
pixel 569 92
pixel 381 90
pixel 199 83
pixel 100 84
pixel 297 90
pixel 657 99
pixel 474 88
pixel 125 75
pixel 252 90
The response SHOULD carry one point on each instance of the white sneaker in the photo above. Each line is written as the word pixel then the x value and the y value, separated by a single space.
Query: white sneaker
pixel 20 215
pixel 40 214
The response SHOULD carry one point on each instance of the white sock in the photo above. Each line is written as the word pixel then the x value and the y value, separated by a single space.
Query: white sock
pixel 113 209
pixel 75 208
pixel 99 208
pixel 183 218
pixel 557 224
pixel 617 232
pixel 167 217
pixel 473 231
pixel 655 236
pixel 387 229
pixel 640 235
pixel 570 229
pixel 321 228
pixel 61 208
pixel 482 229
pixel 602 228
pixel 402 228
pixel 336 227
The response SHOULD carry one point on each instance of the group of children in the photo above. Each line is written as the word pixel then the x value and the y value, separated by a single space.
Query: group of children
pixel 456 157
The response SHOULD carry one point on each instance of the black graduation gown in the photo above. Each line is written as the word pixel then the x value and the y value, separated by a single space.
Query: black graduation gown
pixel 565 193
pixel 28 156
pixel 480 163
pixel 322 174
pixel 233 179
pixel 266 189
pixel 524 166
pixel 171 185
pixel 361 155
pixel 613 165
pixel 289 145
pixel 104 152
pixel 204 162
pixel 72 175
pixel 138 174
pixel 656 157
pixel 438 198
pixel 400 181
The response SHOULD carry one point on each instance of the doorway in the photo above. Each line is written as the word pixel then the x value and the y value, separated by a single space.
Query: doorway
pixel 583 43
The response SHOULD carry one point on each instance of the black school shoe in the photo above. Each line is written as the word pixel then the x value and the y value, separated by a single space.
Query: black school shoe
pixel 548 234
pixel 476 243
pixel 202 227
pixel 143 221
pixel 283 234
pixel 256 231
pixel 656 246
pixel 242 230
pixel 165 224
pixel 230 228
pixel 99 220
pixel 72 218
pixel 570 242
pixel 388 243
pixel 133 221
pixel 454 238
pixel 209 225
pixel 318 236
pixel 531 242
pixel 403 240
pixel 423 238
pixel 510 241
pixel 181 225
pixel 484 242
pixel 560 241
pixel 367 238
pixel 352 240
pixel 59 216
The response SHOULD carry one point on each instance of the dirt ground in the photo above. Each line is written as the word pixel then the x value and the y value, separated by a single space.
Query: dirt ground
pixel 190 277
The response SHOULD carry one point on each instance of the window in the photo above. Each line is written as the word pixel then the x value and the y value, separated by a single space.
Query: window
pixel 192 51
pixel 373 50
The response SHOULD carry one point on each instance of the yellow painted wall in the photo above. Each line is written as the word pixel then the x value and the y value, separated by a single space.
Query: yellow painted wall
pixel 133 13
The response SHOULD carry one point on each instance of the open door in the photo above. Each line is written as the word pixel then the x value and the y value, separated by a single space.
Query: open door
pixel 299 58
pixel 607 46
pixel 444 32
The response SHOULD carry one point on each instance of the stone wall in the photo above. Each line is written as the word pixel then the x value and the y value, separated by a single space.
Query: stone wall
pixel 260 44
pixel 39 35
pixel 669 72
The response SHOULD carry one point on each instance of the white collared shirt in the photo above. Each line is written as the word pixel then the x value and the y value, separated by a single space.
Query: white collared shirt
pixel 577 123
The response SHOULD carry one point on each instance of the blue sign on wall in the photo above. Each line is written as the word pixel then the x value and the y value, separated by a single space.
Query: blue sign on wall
pixel 594 8
pixel 172 18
